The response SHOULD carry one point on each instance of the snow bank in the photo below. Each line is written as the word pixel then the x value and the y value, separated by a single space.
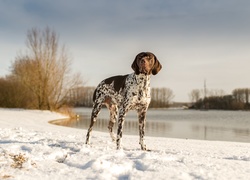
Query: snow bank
pixel 31 148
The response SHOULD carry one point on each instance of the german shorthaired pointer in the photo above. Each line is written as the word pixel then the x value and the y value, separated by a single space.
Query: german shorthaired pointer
pixel 123 93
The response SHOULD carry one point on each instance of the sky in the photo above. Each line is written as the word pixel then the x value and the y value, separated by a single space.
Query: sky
pixel 195 40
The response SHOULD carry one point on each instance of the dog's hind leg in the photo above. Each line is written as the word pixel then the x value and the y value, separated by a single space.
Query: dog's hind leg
pixel 113 117
pixel 96 109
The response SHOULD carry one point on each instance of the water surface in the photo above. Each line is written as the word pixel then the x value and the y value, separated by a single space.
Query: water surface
pixel 185 124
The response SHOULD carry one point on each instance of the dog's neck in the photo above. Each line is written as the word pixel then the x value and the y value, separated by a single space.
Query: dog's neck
pixel 143 83
pixel 143 79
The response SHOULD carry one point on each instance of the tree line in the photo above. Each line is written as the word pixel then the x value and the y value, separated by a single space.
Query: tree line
pixel 41 77
pixel 217 99
pixel 83 96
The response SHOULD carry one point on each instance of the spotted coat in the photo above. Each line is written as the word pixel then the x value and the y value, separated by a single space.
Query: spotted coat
pixel 123 93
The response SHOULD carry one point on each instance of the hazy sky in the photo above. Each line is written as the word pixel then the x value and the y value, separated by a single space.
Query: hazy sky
pixel 193 39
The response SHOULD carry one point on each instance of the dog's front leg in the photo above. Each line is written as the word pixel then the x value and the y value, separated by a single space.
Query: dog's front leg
pixel 122 114
pixel 142 123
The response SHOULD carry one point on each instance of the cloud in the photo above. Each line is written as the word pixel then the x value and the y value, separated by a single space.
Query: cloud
pixel 193 38
pixel 130 17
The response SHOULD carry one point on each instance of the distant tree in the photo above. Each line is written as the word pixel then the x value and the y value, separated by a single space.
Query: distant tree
pixel 195 95
pixel 216 92
pixel 238 94
pixel 167 95
pixel 216 99
pixel 87 99
pixel 13 94
pixel 45 70
pixel 81 96
pixel 161 97
pixel 241 95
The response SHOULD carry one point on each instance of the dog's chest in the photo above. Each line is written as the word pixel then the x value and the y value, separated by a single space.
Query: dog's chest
pixel 137 90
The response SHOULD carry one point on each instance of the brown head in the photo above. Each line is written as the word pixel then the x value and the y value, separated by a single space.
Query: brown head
pixel 146 63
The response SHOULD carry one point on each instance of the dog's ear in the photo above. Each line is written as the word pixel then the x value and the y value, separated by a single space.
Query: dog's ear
pixel 157 66
pixel 135 66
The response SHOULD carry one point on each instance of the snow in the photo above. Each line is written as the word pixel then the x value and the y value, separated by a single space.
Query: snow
pixel 31 148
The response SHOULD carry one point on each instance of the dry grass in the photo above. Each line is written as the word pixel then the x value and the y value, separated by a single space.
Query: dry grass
pixel 65 110
pixel 18 160
pixel 6 176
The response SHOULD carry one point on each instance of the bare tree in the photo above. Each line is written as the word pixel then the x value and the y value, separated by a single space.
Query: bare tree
pixel 82 96
pixel 13 94
pixel 161 97
pixel 167 95
pixel 216 92
pixel 45 69
pixel 241 95
pixel 195 95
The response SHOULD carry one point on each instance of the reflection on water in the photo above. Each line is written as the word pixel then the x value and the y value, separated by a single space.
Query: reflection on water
pixel 188 124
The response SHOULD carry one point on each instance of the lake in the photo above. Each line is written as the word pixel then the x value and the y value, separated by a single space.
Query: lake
pixel 174 123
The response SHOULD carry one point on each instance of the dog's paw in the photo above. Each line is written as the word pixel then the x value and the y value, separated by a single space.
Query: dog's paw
pixel 87 142
pixel 143 147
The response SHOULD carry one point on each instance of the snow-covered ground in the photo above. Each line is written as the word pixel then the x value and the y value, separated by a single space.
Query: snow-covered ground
pixel 31 148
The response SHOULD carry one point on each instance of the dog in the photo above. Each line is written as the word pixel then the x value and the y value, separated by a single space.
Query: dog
pixel 123 93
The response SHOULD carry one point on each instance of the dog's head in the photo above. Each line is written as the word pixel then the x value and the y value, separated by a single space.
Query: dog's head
pixel 146 63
